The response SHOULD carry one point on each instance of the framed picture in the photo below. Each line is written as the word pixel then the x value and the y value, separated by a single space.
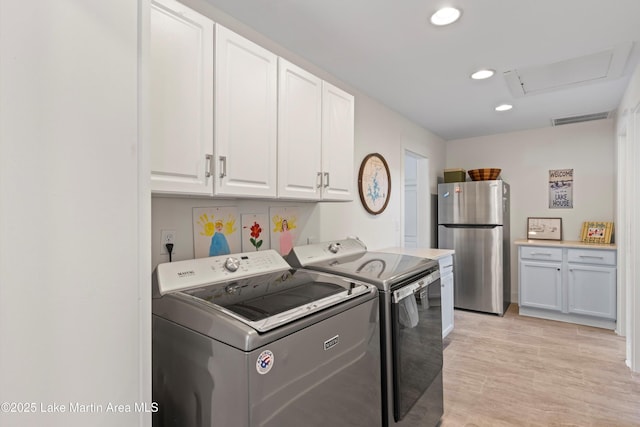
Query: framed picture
pixel 597 232
pixel 374 183
pixel 544 228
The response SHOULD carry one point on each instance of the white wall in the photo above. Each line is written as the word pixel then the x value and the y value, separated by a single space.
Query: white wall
pixel 176 213
pixel 72 306
pixel 377 129
pixel 380 130
pixel 526 158
pixel 628 218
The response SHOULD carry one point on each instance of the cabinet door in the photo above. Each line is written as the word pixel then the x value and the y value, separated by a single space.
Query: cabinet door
pixel 541 285
pixel 446 279
pixel 338 108
pixel 592 290
pixel 447 304
pixel 180 98
pixel 299 132
pixel 245 117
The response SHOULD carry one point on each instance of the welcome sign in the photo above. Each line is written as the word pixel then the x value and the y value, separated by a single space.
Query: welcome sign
pixel 561 189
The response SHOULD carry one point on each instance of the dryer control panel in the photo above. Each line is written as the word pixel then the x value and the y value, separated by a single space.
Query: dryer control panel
pixel 301 256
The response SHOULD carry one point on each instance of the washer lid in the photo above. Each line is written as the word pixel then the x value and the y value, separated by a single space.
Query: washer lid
pixel 231 310
pixel 269 301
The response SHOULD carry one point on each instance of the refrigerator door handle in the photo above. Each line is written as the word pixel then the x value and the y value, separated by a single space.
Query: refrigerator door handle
pixel 487 226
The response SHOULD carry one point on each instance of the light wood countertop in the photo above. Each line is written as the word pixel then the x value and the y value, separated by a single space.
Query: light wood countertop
pixel 430 253
pixel 565 244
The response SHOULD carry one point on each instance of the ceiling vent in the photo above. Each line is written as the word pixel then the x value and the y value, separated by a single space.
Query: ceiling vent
pixel 597 67
pixel 580 119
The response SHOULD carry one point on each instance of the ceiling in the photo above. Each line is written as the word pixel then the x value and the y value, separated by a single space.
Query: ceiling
pixel 389 50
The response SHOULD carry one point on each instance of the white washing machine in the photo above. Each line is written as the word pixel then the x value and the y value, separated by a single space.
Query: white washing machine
pixel 247 341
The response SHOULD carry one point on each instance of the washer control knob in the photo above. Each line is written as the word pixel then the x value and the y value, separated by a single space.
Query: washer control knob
pixel 232 264
pixel 334 248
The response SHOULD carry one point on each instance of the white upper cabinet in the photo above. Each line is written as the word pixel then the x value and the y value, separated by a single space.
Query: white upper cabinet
pixel 299 132
pixel 245 117
pixel 338 109
pixel 229 118
pixel 181 99
pixel 315 137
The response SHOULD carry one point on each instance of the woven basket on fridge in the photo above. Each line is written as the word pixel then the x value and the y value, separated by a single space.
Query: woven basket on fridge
pixel 484 174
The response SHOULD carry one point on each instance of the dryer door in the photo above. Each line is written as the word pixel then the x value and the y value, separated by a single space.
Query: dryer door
pixel 417 345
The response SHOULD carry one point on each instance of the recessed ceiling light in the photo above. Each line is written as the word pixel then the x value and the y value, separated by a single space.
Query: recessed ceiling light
pixel 445 16
pixel 482 74
pixel 504 107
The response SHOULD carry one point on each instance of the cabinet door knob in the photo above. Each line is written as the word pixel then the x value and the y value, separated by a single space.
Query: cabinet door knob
pixel 326 175
pixel 319 180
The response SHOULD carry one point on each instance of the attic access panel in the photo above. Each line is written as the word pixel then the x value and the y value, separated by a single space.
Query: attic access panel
pixel 601 66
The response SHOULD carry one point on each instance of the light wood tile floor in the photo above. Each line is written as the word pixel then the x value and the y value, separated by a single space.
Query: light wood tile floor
pixel 524 371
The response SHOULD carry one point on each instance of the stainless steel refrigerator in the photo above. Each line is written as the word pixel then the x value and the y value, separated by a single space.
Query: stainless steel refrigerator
pixel 473 220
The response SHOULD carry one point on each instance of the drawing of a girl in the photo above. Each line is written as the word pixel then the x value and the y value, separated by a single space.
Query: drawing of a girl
pixel 286 239
pixel 219 245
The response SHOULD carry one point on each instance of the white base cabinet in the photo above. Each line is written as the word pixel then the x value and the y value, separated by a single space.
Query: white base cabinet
pixel 592 290
pixel 571 284
pixel 541 278
pixel 446 282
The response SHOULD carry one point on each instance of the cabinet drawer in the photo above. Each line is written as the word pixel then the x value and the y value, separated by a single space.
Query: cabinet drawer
pixel 446 271
pixel 446 265
pixel 541 253
pixel 591 256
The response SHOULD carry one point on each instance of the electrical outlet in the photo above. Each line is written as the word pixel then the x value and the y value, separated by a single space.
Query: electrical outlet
pixel 168 236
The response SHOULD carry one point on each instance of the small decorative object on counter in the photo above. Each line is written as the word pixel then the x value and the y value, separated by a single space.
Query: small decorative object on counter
pixel 597 232
pixel 455 175
pixel 485 174
pixel 544 228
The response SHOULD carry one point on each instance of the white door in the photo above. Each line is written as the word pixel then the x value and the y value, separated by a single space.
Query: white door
pixel 299 132
pixel 338 113
pixel 180 98
pixel 245 117
pixel 410 201
pixel 417 222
